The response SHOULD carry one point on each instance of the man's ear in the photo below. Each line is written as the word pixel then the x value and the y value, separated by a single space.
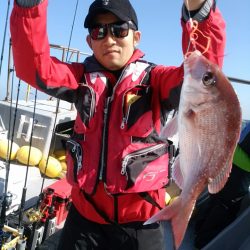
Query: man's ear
pixel 137 37
pixel 88 39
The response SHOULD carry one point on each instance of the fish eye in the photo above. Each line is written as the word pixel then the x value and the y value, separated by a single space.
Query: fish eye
pixel 208 78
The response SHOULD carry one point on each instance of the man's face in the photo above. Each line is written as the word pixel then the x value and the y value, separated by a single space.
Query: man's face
pixel 112 52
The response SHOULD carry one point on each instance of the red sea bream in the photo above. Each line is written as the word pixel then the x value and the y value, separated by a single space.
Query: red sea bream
pixel 209 122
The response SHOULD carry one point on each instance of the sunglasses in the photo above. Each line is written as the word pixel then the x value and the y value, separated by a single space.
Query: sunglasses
pixel 118 30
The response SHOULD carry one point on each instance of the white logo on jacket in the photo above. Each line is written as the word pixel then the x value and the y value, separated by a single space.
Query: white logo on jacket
pixel 95 75
pixel 135 69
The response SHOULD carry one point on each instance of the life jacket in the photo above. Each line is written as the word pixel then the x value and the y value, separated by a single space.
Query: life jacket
pixel 114 139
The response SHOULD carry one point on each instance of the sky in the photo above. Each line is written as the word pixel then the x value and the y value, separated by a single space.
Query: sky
pixel 159 22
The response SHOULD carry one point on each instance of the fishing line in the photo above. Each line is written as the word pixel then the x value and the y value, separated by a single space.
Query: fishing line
pixel 12 136
pixel 189 15
pixel 11 102
pixel 69 44
pixel 191 21
pixel 52 146
pixel 50 151
pixel 4 35
pixel 194 34
pixel 72 28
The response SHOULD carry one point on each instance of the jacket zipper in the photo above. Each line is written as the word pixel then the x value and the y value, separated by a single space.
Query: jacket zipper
pixel 104 138
pixel 136 154
pixel 92 106
pixel 125 115
pixel 76 150
pixel 105 129
pixel 78 155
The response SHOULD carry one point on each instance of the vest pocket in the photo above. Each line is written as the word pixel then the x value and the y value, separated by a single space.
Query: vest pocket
pixel 74 161
pixel 86 104
pixel 146 169
pixel 136 110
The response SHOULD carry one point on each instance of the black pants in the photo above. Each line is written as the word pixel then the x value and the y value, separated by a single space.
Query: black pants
pixel 81 234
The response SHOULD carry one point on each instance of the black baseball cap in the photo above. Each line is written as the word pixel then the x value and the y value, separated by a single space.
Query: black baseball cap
pixel 121 8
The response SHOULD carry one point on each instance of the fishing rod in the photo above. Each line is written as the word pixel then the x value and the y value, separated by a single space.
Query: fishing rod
pixel 5 193
pixel 5 201
pixel 23 198
pixel 4 35
pixel 36 224
pixel 52 143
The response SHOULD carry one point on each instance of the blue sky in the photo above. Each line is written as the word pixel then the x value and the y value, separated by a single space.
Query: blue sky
pixel 159 22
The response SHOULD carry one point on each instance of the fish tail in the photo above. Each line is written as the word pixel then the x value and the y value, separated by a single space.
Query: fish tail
pixel 179 216
pixel 179 219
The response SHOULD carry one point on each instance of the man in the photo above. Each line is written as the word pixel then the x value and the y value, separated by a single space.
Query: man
pixel 116 162
pixel 220 209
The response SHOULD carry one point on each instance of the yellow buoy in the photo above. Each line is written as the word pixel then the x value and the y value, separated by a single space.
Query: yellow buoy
pixel 31 154
pixel 60 155
pixel 167 198
pixel 64 165
pixel 53 168
pixel 5 146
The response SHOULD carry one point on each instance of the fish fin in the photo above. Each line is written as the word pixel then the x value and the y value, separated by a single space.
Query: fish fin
pixel 179 216
pixel 176 172
pixel 164 214
pixel 216 184
pixel 170 129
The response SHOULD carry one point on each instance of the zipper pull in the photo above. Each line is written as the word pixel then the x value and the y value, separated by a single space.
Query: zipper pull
pixel 124 121
pixel 124 165
pixel 73 149
pixel 79 164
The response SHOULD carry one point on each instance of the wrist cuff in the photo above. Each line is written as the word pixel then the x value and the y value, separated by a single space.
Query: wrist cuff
pixel 200 14
pixel 28 3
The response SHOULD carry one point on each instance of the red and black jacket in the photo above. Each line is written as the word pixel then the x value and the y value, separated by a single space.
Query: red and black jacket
pixel 119 154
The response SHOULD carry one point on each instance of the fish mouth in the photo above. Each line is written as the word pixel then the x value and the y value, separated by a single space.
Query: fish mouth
pixel 196 65
pixel 192 56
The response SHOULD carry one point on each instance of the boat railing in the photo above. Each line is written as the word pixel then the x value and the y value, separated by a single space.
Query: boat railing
pixel 238 80
pixel 65 53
